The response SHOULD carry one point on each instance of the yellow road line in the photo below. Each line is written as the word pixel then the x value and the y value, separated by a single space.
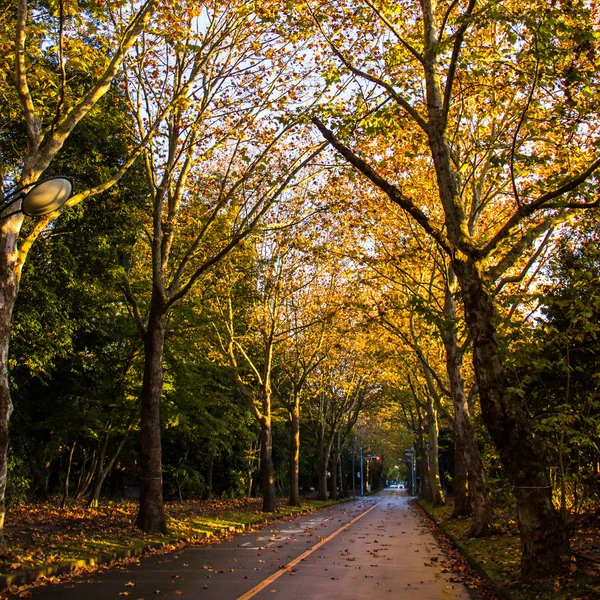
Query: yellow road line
pixel 269 580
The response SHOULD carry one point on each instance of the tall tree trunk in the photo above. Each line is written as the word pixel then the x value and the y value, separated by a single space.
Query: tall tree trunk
pixel 82 471
pixel 462 502
pixel 466 451
pixel 9 287
pixel 544 543
pixel 151 516
pixel 294 454
pixel 89 476
pixel 103 472
pixel 437 495
pixel 344 479
pixel 322 462
pixel 334 494
pixel 266 465
pixel 425 492
pixel 63 502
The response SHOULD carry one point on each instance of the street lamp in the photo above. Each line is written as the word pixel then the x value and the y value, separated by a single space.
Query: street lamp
pixel 42 198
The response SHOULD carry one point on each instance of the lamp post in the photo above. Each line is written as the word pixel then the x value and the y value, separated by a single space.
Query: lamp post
pixel 42 198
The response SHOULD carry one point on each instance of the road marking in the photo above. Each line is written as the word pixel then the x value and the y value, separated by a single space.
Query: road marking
pixel 269 580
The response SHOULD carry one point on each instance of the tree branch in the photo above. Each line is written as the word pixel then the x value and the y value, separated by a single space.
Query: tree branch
pixel 392 191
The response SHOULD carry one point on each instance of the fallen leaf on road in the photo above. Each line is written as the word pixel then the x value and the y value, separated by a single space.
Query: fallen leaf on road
pixel 130 584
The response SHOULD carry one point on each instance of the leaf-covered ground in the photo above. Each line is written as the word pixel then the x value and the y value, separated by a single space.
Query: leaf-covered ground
pixel 500 555
pixel 41 535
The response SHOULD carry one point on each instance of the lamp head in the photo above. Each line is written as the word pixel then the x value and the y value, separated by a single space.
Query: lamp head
pixel 46 197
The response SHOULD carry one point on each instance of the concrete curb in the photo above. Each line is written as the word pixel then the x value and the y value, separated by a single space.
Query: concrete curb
pixel 502 592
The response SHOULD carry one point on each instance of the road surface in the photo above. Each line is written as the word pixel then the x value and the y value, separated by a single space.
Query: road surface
pixel 374 548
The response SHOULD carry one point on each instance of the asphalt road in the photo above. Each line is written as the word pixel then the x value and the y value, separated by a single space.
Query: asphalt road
pixel 373 548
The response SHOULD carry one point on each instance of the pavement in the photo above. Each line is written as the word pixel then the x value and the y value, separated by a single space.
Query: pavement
pixel 374 548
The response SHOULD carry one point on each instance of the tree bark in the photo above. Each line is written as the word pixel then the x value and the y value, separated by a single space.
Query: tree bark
pixel 544 543
pixel 322 462
pixel 63 502
pixel 266 465
pixel 466 451
pixel 103 473
pixel 334 494
pixel 437 495
pixel 151 516
pixel 344 479
pixel 294 455
pixel 9 287
pixel 425 489
pixel 462 502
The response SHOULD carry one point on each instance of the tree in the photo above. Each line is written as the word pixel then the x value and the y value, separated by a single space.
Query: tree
pixel 52 95
pixel 556 366
pixel 507 136
pixel 224 154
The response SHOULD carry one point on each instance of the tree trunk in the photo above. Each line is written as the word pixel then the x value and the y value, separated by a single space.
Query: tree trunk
pixel 544 543
pixel 294 455
pixel 266 465
pixel 89 476
pixel 151 516
pixel 81 472
pixel 103 473
pixel 63 502
pixel 334 495
pixel 437 495
pixel 425 491
pixel 466 451
pixel 9 287
pixel 462 502
pixel 322 462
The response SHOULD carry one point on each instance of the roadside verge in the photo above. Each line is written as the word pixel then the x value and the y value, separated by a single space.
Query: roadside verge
pixel 70 545
pixel 496 558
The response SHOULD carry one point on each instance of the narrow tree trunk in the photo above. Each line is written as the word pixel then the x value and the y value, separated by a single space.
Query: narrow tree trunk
pixel 437 495
pixel 102 474
pixel 322 462
pixel 89 475
pixel 343 479
pixel 334 495
pixel 266 465
pixel 462 503
pixel 544 543
pixel 294 455
pixel 151 516
pixel 466 451
pixel 425 491
pixel 63 502
pixel 9 287
pixel 82 471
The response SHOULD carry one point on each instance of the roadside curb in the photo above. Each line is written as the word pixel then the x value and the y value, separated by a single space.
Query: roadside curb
pixel 502 592
pixel 21 578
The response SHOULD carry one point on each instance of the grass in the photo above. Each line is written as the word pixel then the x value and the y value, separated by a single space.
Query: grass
pixel 43 535
pixel 499 556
